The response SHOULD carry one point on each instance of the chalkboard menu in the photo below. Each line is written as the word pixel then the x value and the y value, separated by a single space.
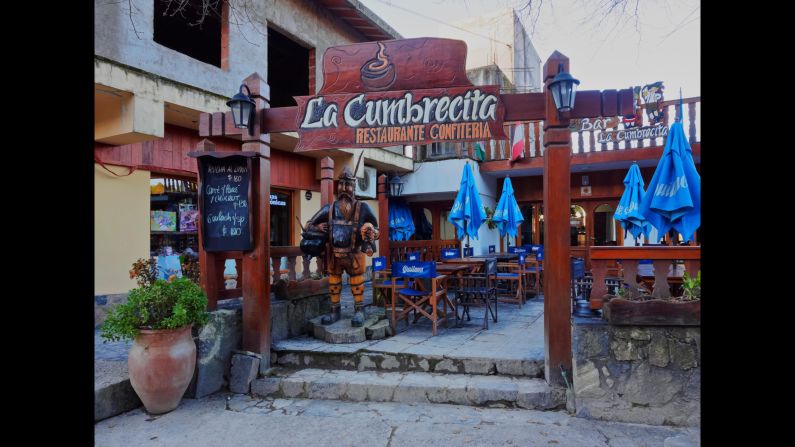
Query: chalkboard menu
pixel 224 203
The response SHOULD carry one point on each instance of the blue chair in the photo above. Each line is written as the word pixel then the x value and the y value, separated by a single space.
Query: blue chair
pixel 418 300
pixel 536 268
pixel 383 283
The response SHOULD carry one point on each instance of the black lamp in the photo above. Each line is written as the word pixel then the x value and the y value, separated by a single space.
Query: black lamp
pixel 242 108
pixel 395 186
pixel 564 88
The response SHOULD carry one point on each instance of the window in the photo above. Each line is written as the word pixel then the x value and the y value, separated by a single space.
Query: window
pixel 442 148
pixel 288 69
pixel 173 215
pixel 181 27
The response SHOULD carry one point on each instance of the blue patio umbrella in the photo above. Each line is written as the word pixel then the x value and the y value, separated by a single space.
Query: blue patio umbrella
pixel 401 224
pixel 673 199
pixel 628 211
pixel 507 216
pixel 467 214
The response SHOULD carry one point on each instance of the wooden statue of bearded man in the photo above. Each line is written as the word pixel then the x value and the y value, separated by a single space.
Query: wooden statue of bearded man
pixel 352 227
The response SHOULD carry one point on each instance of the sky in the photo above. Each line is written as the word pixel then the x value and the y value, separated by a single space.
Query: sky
pixel 665 45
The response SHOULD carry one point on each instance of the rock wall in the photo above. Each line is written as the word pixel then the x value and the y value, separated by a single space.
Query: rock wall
pixel 103 304
pixel 640 374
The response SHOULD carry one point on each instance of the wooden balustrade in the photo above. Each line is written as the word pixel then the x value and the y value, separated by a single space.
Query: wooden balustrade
pixel 429 250
pixel 293 286
pixel 662 258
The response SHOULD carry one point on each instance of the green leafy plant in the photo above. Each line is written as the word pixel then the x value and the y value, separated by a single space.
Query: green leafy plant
pixel 489 216
pixel 156 305
pixel 691 286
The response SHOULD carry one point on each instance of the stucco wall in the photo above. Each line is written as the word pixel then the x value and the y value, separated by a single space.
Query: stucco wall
pixel 443 177
pixel 115 38
pixel 121 227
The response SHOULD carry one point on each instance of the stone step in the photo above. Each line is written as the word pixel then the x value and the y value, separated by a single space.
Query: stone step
pixel 412 387
pixel 346 357
pixel 113 393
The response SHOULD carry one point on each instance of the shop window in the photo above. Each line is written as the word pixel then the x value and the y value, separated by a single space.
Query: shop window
pixel 188 28
pixel 173 216
pixel 281 217
pixel 288 69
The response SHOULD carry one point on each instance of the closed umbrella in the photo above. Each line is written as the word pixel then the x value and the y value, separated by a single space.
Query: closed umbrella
pixel 507 216
pixel 401 224
pixel 467 214
pixel 628 211
pixel 673 199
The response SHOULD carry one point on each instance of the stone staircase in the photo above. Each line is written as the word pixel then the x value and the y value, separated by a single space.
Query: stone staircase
pixel 411 387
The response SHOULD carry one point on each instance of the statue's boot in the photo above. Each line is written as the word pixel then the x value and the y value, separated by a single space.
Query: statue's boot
pixel 358 316
pixel 333 316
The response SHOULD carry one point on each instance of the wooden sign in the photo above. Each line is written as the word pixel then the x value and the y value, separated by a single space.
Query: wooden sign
pixel 224 203
pixel 638 133
pixel 410 91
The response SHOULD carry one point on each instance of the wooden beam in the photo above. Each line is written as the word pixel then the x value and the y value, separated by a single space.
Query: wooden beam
pixel 557 267
pixel 383 219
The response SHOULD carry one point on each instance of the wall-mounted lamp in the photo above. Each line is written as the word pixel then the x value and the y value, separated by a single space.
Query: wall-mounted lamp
pixel 308 195
pixel 242 109
pixel 395 186
pixel 564 88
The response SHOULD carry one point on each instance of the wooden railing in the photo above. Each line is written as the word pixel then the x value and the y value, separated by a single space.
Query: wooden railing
pixel 290 283
pixel 581 142
pixel 664 267
pixel 429 250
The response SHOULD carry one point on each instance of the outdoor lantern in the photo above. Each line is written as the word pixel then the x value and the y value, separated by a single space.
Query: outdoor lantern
pixel 563 90
pixel 395 186
pixel 242 108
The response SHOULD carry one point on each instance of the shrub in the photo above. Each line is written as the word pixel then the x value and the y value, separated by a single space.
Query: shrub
pixel 160 305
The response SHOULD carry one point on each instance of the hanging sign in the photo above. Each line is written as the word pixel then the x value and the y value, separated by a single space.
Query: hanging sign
pixel 396 92
pixel 224 202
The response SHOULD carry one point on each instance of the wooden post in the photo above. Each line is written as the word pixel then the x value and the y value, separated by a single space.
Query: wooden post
pixel 383 219
pixel 557 201
pixel 208 268
pixel 326 181
pixel 256 263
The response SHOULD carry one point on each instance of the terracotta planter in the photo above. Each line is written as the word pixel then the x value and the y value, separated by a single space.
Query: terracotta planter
pixel 161 364
pixel 619 311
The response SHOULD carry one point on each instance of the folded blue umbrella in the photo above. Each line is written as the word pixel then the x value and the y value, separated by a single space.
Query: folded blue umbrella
pixel 507 216
pixel 673 199
pixel 628 211
pixel 467 214
pixel 401 224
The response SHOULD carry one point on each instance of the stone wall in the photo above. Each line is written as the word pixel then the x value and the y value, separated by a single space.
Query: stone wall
pixel 103 304
pixel 640 374
pixel 290 318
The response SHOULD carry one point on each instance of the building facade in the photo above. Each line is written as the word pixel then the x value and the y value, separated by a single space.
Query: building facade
pixel 156 70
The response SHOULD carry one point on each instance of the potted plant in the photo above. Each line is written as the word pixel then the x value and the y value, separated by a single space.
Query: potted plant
pixel 631 307
pixel 489 218
pixel 158 316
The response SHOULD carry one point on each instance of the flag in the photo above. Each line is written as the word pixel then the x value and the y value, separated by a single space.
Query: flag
pixel 517 146
pixel 480 153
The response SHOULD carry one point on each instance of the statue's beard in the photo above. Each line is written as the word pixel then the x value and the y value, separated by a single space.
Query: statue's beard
pixel 345 204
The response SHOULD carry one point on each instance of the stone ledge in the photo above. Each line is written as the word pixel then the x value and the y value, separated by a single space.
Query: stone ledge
pixel 412 387
pixel 113 393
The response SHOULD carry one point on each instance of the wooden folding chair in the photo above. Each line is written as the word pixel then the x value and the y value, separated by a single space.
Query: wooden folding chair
pixel 510 273
pixel 417 298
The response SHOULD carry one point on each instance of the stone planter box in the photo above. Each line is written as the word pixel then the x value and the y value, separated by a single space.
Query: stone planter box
pixel 619 311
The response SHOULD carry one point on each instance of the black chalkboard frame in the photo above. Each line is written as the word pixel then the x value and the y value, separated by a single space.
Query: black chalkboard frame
pixel 201 158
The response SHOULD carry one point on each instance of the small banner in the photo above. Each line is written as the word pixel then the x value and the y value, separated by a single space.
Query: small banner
pixel 449 253
pixel 492 249
pixel 379 263
pixel 414 270
pixel 414 256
